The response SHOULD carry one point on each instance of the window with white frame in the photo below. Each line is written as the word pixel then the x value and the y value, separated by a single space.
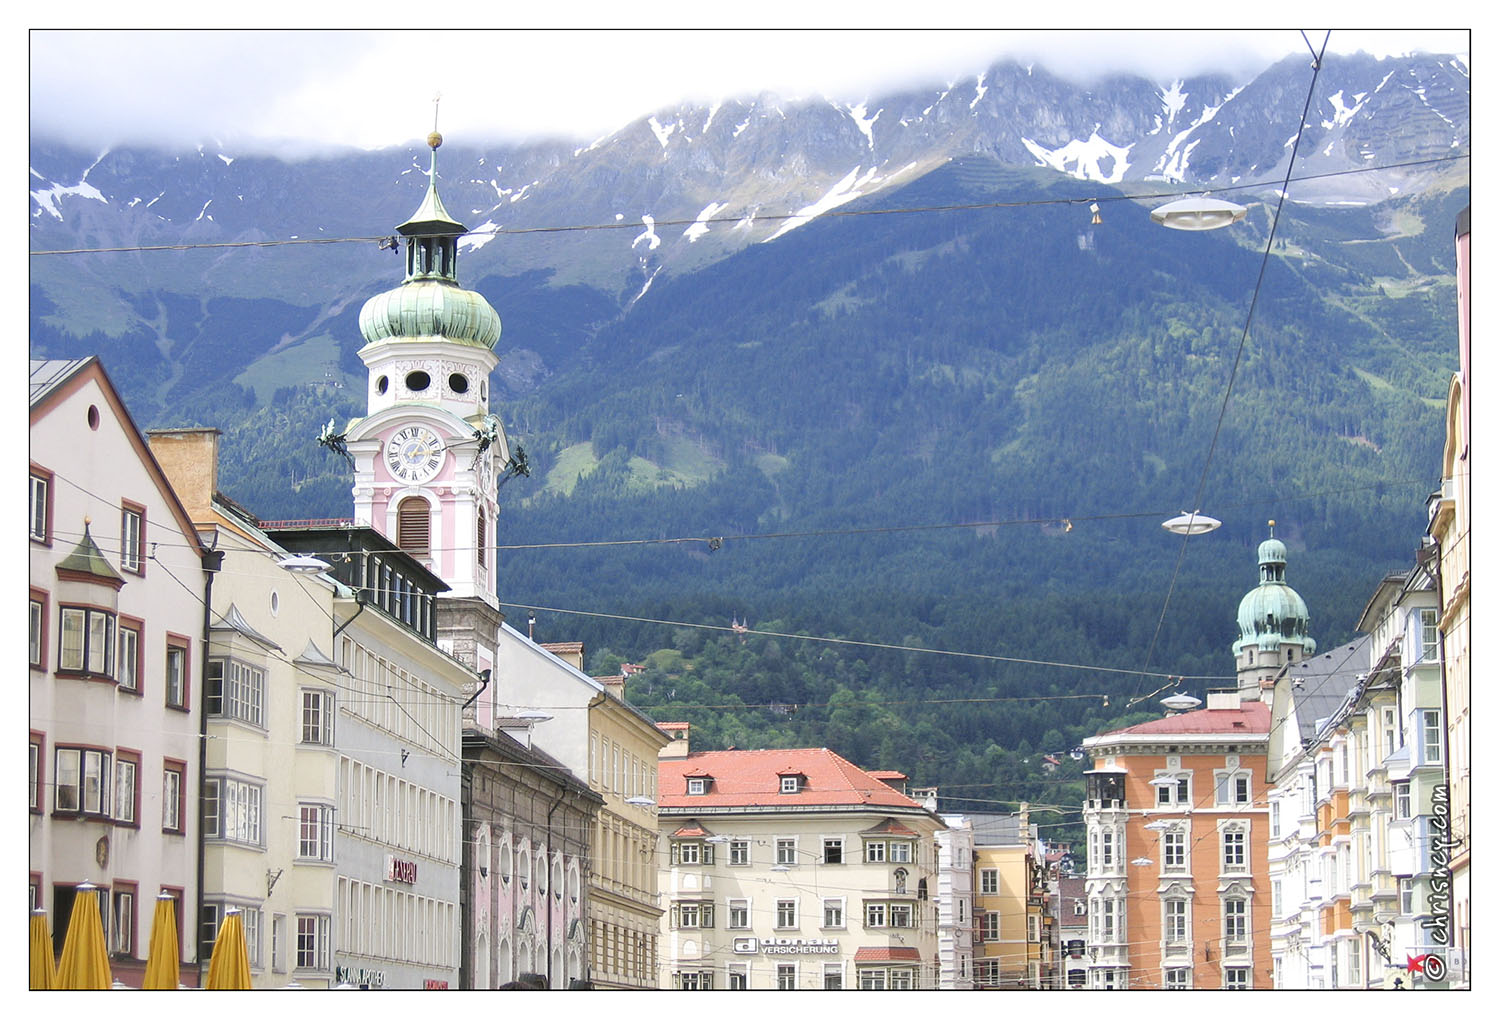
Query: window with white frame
pixel 37 620
pixel 1231 787
pixel 786 977
pixel 833 850
pixel 786 913
pixel 989 881
pixel 236 690
pixel 1427 620
pixel 902 978
pixel 872 979
pixel 39 515
pixel 833 977
pixel 1234 840
pixel 278 943
pixel 875 915
pixel 1178 978
pixel 1174 849
pixel 786 851
pixel 694 980
pixel 900 915
pixel 122 921
pixel 1104 917
pixel 1172 790
pixel 317 717
pixel 1107 848
pixel 128 662
pixel 86 641
pixel 34 772
pixel 174 684
pixel 1401 795
pixel 1432 736
pixel 739 852
pixel 315 832
pixel 127 790
pixel 986 972
pixel 739 976
pixel 692 914
pixel 875 852
pixel 900 851
pixel 739 913
pixel 172 788
pixel 1407 887
pixel 989 926
pixel 833 913
pixel 790 784
pixel 232 811
pixel 697 786
pixel 1237 977
pixel 132 538
pixel 1275 818
pixel 313 941
pixel 250 921
pixel 1275 898
pixel 1175 920
pixel 81 780
pixel 1389 732
pixel 1236 923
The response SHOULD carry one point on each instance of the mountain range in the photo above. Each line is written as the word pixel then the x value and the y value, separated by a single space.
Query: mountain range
pixel 824 335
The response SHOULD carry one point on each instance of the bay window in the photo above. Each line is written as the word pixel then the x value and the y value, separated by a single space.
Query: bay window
pixel 86 641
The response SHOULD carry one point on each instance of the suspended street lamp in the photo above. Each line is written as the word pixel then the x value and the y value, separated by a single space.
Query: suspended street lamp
pixel 1200 213
pixel 1194 523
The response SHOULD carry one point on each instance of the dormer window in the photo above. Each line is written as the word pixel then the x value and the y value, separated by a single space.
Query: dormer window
pixel 790 784
pixel 697 786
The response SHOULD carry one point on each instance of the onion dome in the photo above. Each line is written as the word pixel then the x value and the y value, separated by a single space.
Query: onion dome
pixel 1272 614
pixel 430 304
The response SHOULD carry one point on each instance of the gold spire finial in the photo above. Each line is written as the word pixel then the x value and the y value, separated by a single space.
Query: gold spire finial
pixel 435 139
pixel 1272 525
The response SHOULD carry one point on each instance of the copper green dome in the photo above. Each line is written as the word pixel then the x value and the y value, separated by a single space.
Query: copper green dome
pixel 1272 614
pixel 430 304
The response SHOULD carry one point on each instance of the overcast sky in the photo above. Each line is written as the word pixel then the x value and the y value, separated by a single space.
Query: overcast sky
pixel 289 90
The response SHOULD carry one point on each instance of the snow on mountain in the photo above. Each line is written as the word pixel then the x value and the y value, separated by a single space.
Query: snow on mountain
pixel 1092 160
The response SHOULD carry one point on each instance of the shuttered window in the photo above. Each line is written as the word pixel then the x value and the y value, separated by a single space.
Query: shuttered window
pixel 413 525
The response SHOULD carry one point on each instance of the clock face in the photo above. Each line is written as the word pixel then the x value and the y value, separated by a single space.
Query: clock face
pixel 414 454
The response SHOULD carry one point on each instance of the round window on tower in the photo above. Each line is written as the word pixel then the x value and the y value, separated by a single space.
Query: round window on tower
pixel 458 383
pixel 416 382
pixel 382 384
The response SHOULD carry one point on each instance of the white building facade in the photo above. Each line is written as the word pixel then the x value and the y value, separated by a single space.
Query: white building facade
pixel 955 899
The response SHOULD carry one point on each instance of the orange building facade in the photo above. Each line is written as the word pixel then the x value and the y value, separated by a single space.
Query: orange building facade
pixel 1177 885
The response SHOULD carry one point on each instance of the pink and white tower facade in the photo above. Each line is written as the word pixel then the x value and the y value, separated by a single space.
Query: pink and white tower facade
pixel 428 455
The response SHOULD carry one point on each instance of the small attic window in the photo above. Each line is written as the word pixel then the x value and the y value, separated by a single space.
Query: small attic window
pixel 697 786
pixel 791 784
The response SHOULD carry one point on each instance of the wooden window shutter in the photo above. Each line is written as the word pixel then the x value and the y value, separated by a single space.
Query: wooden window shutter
pixel 414 525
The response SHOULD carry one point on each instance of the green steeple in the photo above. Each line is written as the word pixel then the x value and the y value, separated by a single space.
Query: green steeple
pixel 1272 614
pixel 430 304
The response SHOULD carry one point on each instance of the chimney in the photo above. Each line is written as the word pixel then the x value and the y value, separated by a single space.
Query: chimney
pixel 1227 699
pixel 190 459
pixel 677 740
pixel 570 652
pixel 615 685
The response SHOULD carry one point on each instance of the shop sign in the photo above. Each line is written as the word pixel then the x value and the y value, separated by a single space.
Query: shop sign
pixel 397 870
pixel 785 947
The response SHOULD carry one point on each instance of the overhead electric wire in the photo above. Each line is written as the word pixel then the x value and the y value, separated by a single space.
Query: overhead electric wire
pixel 1265 261
pixel 770 217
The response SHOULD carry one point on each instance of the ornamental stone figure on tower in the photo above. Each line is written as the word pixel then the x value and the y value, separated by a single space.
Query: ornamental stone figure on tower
pixel 1273 622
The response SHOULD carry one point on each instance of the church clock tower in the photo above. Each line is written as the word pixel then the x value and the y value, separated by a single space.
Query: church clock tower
pixel 428 454
pixel 1274 625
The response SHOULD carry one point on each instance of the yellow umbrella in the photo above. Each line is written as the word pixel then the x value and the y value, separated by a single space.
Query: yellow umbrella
pixel 43 966
pixel 85 960
pixel 229 966
pixel 161 959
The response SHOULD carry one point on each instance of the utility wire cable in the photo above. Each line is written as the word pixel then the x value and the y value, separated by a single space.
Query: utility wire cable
pixel 769 217
pixel 1265 261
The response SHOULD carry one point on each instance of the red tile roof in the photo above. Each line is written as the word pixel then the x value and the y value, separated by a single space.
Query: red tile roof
pixel 886 774
pixel 885 954
pixel 889 827
pixel 692 829
pixel 562 646
pixel 672 726
pixel 1252 717
pixel 752 779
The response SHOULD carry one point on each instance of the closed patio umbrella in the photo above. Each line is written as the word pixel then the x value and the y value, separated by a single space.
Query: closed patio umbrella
pixel 229 966
pixel 161 959
pixel 85 959
pixel 43 966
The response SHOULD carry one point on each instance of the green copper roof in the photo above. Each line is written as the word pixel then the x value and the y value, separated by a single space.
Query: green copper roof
pixel 1272 614
pixel 88 559
pixel 424 309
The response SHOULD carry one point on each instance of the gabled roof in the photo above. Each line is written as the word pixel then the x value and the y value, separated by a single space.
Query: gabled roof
pixel 888 827
pixel 691 829
pixel 753 779
pixel 1320 685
